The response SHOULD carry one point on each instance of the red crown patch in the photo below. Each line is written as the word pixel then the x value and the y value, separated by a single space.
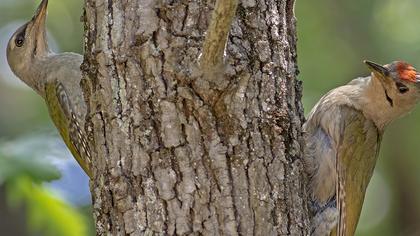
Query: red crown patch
pixel 406 71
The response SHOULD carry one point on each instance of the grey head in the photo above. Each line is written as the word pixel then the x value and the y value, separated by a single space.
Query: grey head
pixel 28 44
pixel 400 82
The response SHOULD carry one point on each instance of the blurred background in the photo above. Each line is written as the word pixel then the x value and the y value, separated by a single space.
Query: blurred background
pixel 43 189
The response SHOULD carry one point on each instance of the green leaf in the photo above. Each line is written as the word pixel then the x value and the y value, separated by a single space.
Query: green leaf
pixel 47 214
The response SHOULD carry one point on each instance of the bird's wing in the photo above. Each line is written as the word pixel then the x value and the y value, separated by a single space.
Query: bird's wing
pixel 67 122
pixel 357 152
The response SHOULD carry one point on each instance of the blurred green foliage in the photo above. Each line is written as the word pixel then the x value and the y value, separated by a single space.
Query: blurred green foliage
pixel 12 168
pixel 334 37
pixel 46 213
pixel 23 168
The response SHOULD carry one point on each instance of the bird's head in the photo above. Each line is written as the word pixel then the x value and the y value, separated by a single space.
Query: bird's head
pixel 400 83
pixel 29 41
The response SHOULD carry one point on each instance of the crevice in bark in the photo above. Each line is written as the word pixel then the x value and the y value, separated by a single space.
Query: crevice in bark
pixel 182 152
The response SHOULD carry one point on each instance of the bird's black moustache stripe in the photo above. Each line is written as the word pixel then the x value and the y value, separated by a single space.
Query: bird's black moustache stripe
pixel 389 99
pixel 35 47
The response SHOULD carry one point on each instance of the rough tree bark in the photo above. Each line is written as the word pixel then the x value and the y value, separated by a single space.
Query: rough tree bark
pixel 191 138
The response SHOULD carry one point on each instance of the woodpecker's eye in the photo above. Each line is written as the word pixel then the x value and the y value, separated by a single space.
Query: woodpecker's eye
pixel 20 39
pixel 401 87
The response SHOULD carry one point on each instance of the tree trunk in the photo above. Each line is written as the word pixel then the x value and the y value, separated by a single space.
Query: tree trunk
pixel 192 137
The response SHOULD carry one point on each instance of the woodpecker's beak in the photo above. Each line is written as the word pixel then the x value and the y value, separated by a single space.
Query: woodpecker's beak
pixel 38 28
pixel 38 19
pixel 377 69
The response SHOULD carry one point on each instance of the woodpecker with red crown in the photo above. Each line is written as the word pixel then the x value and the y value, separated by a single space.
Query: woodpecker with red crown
pixel 343 135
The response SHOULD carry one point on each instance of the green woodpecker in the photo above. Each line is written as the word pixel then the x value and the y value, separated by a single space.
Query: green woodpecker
pixel 343 134
pixel 56 77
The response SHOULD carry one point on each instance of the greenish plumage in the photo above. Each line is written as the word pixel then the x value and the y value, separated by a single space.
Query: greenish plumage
pixel 66 106
pixel 56 77
pixel 63 96
pixel 358 150
pixel 342 138
pixel 349 160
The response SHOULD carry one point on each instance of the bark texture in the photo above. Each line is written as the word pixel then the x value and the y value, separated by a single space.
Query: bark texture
pixel 184 148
